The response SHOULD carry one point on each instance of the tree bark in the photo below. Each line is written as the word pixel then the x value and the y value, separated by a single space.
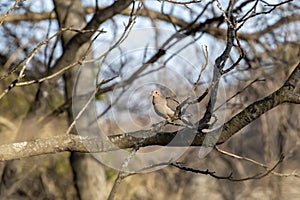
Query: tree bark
pixel 89 175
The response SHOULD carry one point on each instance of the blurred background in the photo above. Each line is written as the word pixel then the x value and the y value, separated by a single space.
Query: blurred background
pixel 193 34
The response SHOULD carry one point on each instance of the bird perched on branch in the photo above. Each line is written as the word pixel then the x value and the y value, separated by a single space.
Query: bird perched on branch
pixel 167 107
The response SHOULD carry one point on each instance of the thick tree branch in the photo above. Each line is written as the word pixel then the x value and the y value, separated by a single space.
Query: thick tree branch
pixel 256 109
pixel 150 137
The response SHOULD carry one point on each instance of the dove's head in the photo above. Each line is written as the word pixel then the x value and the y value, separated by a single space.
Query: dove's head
pixel 156 93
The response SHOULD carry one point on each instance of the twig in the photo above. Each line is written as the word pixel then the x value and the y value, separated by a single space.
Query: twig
pixel 182 3
pixel 15 5
pixel 122 173
pixel 253 161
pixel 236 94
pixel 72 125
pixel 254 14
pixel 229 177
pixel 227 18
pixel 203 67
pixel 29 58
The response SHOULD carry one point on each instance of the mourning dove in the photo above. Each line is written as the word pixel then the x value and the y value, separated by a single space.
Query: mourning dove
pixel 165 107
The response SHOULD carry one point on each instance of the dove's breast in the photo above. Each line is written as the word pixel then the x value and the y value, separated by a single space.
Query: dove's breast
pixel 163 111
pixel 161 108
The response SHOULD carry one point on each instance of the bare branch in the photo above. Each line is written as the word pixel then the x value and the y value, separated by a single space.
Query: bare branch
pixel 230 176
pixel 203 67
pixel 15 5
pixel 183 3
pixel 255 162
pixel 28 59
pixel 237 93
pixel 256 109
pixel 122 173
pixel 151 137
pixel 215 31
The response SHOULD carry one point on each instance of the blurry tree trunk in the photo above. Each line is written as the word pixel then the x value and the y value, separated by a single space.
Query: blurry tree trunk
pixel 89 174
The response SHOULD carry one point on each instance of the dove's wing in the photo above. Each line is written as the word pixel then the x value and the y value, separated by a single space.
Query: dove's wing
pixel 172 103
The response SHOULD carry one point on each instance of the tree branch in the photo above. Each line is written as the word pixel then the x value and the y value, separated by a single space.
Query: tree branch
pixel 79 39
pixel 256 109
pixel 230 176
pixel 151 137
pixel 215 31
